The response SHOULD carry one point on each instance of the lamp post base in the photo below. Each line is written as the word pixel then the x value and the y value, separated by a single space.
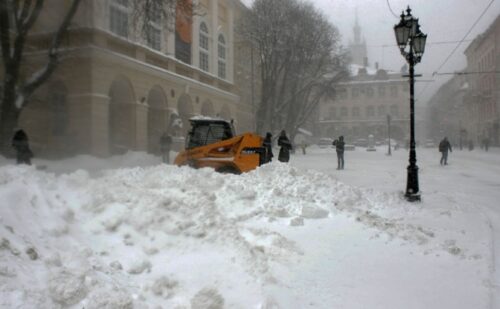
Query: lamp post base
pixel 410 197
pixel 412 191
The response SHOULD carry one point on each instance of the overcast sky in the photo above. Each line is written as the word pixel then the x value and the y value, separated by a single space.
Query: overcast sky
pixel 441 20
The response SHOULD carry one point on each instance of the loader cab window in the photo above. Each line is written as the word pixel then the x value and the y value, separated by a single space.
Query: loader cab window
pixel 204 133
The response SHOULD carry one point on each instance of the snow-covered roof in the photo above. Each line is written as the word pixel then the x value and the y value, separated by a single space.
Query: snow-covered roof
pixel 305 132
pixel 354 69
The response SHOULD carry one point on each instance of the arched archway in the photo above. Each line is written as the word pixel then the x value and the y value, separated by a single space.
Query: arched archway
pixel 57 98
pixel 60 143
pixel 207 109
pixel 225 112
pixel 121 116
pixel 185 108
pixel 157 118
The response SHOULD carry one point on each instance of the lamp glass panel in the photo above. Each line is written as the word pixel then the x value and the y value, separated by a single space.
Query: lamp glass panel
pixel 419 43
pixel 402 34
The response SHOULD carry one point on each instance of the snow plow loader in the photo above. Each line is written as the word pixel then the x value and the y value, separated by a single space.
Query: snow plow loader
pixel 212 143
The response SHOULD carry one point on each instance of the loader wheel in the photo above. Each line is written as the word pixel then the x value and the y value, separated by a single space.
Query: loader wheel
pixel 228 170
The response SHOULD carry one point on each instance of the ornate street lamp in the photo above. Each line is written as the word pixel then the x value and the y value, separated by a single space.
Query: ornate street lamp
pixel 411 42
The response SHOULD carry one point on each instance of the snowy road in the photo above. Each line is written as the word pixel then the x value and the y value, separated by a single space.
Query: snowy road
pixel 470 184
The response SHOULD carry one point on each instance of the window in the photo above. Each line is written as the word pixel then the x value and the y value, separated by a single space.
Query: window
pixel 343 93
pixel 370 111
pixel 394 110
pixel 369 92
pixel 153 32
pixel 343 111
pixel 332 113
pixel 221 51
pixel 394 91
pixel 381 91
pixel 382 110
pixel 355 92
pixel 118 17
pixel 355 111
pixel 204 49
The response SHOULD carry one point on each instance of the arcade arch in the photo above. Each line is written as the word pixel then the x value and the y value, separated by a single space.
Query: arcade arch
pixel 121 116
pixel 185 109
pixel 207 109
pixel 157 117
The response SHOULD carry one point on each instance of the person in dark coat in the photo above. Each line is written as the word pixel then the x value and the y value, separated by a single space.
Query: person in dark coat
pixel 286 146
pixel 268 145
pixel 21 145
pixel 444 146
pixel 486 143
pixel 339 147
pixel 165 142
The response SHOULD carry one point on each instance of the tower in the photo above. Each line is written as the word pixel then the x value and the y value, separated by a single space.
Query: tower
pixel 357 48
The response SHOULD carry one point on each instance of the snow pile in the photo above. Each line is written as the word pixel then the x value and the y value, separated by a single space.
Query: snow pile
pixel 169 236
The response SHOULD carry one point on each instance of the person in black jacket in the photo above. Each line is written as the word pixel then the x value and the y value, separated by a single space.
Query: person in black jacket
pixel 21 145
pixel 339 147
pixel 286 146
pixel 444 146
pixel 268 145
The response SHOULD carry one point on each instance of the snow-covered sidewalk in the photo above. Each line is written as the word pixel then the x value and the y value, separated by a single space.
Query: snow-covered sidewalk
pixel 130 232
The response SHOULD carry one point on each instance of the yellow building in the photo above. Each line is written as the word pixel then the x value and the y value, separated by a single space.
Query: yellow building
pixel 116 89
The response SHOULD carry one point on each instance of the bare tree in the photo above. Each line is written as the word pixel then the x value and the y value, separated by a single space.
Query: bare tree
pixel 300 61
pixel 16 21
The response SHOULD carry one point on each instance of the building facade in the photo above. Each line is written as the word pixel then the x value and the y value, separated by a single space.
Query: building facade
pixel 445 112
pixel 467 107
pixel 117 88
pixel 362 106
pixel 482 101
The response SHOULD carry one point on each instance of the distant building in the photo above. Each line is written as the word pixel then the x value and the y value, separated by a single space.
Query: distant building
pixel 446 115
pixel 362 105
pixel 117 90
pixel 467 107
pixel 482 100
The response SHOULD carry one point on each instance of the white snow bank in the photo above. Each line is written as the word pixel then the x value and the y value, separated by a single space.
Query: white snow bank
pixel 162 235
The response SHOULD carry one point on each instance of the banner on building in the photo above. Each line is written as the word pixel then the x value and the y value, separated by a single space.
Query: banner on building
pixel 183 30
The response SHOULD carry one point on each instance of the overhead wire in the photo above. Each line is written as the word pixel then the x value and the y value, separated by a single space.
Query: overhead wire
pixel 426 44
pixel 463 39
pixel 458 44
pixel 390 9
pixel 468 73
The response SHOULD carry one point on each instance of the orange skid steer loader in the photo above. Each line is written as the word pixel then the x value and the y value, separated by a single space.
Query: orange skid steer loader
pixel 212 143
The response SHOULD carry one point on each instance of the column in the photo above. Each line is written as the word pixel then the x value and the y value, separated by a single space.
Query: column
pixel 89 130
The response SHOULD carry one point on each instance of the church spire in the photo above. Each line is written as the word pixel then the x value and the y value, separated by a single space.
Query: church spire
pixel 357 30
pixel 357 47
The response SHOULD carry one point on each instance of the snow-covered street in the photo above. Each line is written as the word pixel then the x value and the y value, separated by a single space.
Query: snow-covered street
pixel 129 232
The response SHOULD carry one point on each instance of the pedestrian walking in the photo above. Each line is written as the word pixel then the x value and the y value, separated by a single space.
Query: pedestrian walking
pixel 20 143
pixel 165 143
pixel 268 146
pixel 486 143
pixel 286 146
pixel 339 148
pixel 444 146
